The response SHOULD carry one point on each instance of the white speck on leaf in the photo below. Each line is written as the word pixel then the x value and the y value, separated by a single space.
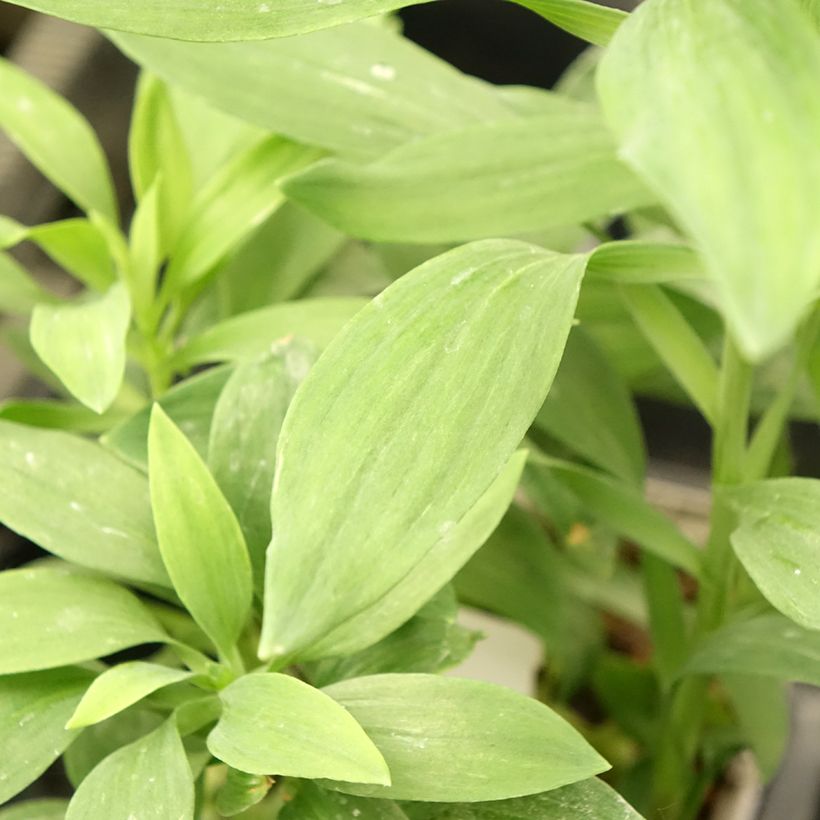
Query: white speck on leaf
pixel 31 459
pixel 383 71
pixel 798 571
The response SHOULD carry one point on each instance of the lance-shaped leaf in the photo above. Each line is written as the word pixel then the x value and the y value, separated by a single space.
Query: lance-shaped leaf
pixel 590 798
pixel 83 343
pixel 451 740
pixel 51 617
pixel 56 139
pixel 50 808
pixel 591 22
pixel 767 646
pixel 215 21
pixel 740 170
pixel 276 724
pixel 314 803
pixel 637 262
pixel 150 778
pixel 497 178
pixel 245 428
pixel 57 415
pixel 19 291
pixel 357 90
pixel 78 501
pixel 119 687
pixel 199 537
pixel 778 542
pixel 403 424
pixel 252 334
pixel 34 707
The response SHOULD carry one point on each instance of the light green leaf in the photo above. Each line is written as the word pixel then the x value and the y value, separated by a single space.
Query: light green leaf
pixel 189 404
pixel 213 20
pixel 51 617
pixel 11 232
pixel 449 739
pixel 589 409
pixel 556 169
pixel 33 710
pixel 238 200
pixel 47 809
pixel 245 428
pixel 78 501
pixel 240 791
pixel 199 537
pixel 20 293
pixel 639 262
pixel 624 509
pixel 149 779
pixel 57 415
pixel 740 171
pixel 778 542
pixel 55 138
pixel 145 240
pixel 767 646
pixel 357 90
pixel 591 22
pixel 83 343
pixel 276 724
pixel 314 803
pixel 403 424
pixel 119 687
pixel 252 334
pixel 589 798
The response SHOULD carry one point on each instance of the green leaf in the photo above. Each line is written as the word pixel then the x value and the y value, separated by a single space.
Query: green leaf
pixel 145 251
pixel 589 409
pixel 240 791
pixel 119 687
pixel 213 20
pixel 33 710
pixel 55 138
pixel 740 172
pixel 767 646
pixel 83 343
pixel 52 617
pixel 78 501
pixel 149 779
pixel 238 200
pixel 623 508
pixel 449 739
pixel 245 428
pixel 189 404
pixel 403 424
pixel 589 798
pixel 199 537
pixel 57 415
pixel 47 809
pixel 313 803
pixel 556 169
pixel 778 542
pixel 356 90
pixel 636 262
pixel 11 232
pixel 591 22
pixel 276 724
pixel 252 334
pixel 20 293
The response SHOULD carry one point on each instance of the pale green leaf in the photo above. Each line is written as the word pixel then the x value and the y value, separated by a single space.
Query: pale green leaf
pixel 739 170
pixel 778 542
pixel 244 431
pixel 119 687
pixel 767 646
pixel 252 334
pixel 403 424
pixel 33 710
pixel 83 343
pixel 639 262
pixel 590 21
pixel 449 739
pixel 589 409
pixel 149 779
pixel 357 90
pixel 11 232
pixel 51 617
pixel 145 240
pixel 591 799
pixel 47 809
pixel 20 293
pixel 57 415
pixel 55 138
pixel 190 405
pixel 213 20
pixel 78 501
pixel 314 803
pixel 199 537
pixel 276 724
pixel 240 791
pixel 493 179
